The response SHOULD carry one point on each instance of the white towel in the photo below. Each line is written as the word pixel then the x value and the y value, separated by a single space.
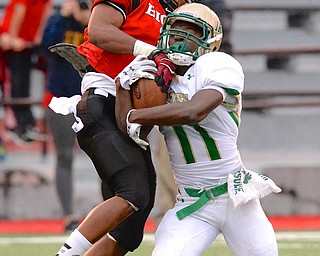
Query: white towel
pixel 246 185
pixel 65 106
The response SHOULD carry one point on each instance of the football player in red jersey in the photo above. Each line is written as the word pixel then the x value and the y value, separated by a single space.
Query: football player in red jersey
pixel 118 30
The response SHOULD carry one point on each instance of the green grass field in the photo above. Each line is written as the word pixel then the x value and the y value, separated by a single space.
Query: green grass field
pixel 290 244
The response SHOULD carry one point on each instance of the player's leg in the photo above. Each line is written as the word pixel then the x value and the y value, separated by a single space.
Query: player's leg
pixel 129 234
pixel 118 161
pixel 247 231
pixel 189 236
pixel 98 222
pixel 106 246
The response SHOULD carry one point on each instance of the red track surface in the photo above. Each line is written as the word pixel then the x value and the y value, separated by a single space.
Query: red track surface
pixel 296 222
pixel 55 226
pixel 44 226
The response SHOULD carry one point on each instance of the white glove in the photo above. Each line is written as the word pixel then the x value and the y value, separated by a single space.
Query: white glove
pixel 133 130
pixel 137 69
pixel 140 74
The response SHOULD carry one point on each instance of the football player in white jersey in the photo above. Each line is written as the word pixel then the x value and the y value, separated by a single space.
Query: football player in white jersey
pixel 200 126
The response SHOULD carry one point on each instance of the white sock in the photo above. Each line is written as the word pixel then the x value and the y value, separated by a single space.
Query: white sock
pixel 75 245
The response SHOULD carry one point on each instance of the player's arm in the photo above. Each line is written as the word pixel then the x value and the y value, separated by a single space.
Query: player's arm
pixel 123 106
pixel 190 112
pixel 104 32
pixel 193 111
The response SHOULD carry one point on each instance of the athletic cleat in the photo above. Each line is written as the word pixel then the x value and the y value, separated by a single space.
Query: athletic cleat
pixel 72 225
pixel 34 134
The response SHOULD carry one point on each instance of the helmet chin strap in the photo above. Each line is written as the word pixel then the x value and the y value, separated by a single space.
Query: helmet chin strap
pixel 181 59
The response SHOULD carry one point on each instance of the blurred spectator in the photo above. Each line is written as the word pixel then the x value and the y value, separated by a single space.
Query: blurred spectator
pixel 2 69
pixel 2 81
pixel 22 27
pixel 2 150
pixel 66 25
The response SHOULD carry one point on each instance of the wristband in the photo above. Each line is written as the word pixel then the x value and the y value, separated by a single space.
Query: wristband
pixel 128 123
pixel 142 48
pixel 128 114
pixel 154 54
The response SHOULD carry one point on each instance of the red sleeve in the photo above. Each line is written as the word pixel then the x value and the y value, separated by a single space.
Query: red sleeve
pixel 124 6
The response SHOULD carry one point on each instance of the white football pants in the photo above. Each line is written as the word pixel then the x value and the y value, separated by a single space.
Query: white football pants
pixel 246 230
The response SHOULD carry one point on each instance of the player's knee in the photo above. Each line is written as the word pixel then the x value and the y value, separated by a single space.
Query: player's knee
pixel 130 237
pixel 140 200
pixel 134 241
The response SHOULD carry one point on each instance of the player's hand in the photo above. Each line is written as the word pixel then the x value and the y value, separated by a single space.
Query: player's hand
pixel 5 41
pixel 140 67
pixel 165 71
pixel 133 130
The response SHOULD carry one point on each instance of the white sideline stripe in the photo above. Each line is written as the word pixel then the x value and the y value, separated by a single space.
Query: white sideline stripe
pixel 304 235
pixel 33 240
pixel 297 246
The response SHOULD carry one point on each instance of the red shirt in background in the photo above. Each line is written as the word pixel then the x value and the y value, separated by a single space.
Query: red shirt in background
pixel 32 20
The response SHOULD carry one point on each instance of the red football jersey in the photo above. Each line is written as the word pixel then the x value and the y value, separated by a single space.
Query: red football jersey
pixel 144 23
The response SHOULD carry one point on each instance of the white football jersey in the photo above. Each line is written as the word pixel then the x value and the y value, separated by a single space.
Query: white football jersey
pixel 203 153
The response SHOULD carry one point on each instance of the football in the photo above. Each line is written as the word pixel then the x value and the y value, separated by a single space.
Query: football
pixel 146 93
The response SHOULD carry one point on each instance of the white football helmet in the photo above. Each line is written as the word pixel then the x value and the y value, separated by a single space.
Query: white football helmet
pixel 203 17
